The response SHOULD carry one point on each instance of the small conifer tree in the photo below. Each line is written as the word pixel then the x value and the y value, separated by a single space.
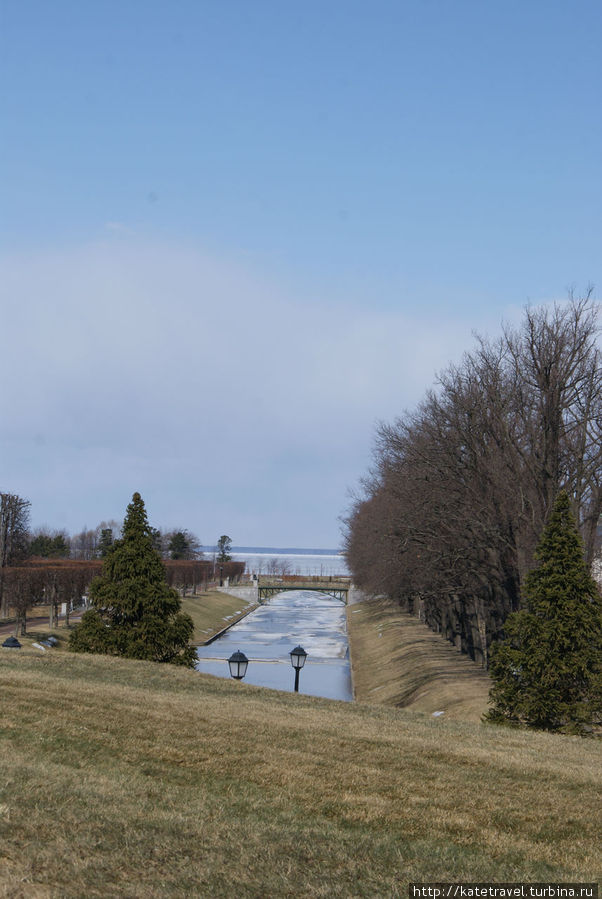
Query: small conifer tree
pixel 134 612
pixel 105 542
pixel 547 672
pixel 224 545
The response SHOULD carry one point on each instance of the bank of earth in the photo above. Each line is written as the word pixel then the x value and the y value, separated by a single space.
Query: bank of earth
pixel 398 661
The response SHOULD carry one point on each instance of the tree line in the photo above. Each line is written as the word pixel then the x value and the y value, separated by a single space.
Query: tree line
pixel 19 542
pixel 49 567
pixel 64 582
pixel 94 543
pixel 448 519
pixel 54 583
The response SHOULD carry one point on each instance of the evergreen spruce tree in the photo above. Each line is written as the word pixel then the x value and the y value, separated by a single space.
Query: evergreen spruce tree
pixel 179 546
pixel 224 545
pixel 134 612
pixel 547 673
pixel 105 542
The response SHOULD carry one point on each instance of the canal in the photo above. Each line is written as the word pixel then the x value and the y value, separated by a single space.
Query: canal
pixel 267 635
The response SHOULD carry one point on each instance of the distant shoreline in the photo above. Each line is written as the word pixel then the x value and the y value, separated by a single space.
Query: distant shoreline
pixel 272 550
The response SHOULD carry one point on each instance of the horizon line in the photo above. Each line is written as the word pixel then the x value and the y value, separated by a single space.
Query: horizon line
pixel 281 549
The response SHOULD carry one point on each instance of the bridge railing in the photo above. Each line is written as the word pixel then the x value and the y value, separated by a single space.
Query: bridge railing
pixel 337 587
pixel 269 579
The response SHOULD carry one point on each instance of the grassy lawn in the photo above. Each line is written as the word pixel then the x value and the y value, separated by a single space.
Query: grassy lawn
pixel 398 661
pixel 131 779
pixel 212 612
pixel 37 632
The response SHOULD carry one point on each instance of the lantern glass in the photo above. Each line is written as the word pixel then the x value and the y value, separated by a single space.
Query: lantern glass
pixel 298 656
pixel 238 665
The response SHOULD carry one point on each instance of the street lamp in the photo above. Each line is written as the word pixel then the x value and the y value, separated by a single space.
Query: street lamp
pixel 298 656
pixel 238 665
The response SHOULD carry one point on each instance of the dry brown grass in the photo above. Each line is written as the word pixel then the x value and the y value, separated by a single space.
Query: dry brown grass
pixel 212 611
pixel 398 661
pixel 131 779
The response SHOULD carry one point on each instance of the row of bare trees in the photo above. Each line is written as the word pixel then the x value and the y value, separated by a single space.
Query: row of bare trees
pixel 448 519
pixel 190 575
pixel 49 584
pixel 58 582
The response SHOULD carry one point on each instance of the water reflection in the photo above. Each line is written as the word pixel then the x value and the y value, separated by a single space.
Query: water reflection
pixel 268 634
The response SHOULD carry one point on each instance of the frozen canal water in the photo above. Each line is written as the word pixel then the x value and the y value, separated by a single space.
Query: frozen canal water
pixel 268 634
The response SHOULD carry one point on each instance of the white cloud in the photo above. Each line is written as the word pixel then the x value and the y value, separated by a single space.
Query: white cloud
pixel 135 365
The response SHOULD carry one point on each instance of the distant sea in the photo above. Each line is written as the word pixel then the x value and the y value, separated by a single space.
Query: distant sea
pixel 287 560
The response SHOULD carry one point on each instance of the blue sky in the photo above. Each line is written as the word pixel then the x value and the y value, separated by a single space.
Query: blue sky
pixel 237 234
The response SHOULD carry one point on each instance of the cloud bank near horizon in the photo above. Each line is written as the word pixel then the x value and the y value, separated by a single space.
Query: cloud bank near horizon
pixel 230 404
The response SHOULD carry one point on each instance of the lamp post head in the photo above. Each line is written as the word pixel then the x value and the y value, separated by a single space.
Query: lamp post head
pixel 298 656
pixel 11 643
pixel 238 665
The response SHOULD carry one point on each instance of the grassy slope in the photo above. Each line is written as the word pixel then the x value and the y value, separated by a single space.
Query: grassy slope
pixel 399 661
pixel 213 611
pixel 126 778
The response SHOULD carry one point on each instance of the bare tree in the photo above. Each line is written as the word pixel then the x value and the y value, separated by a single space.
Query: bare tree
pixel 23 587
pixel 14 525
pixel 448 519
pixel 84 545
pixel 182 544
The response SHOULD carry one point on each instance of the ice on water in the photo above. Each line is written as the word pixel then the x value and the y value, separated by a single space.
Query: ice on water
pixel 268 634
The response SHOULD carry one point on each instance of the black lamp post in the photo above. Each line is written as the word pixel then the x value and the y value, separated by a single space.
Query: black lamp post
pixel 298 656
pixel 238 665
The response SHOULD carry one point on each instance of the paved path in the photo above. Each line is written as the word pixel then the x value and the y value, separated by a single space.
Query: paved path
pixel 355 595
pixel 247 593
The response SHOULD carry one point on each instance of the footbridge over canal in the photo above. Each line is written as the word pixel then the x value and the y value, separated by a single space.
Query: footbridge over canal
pixel 338 587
